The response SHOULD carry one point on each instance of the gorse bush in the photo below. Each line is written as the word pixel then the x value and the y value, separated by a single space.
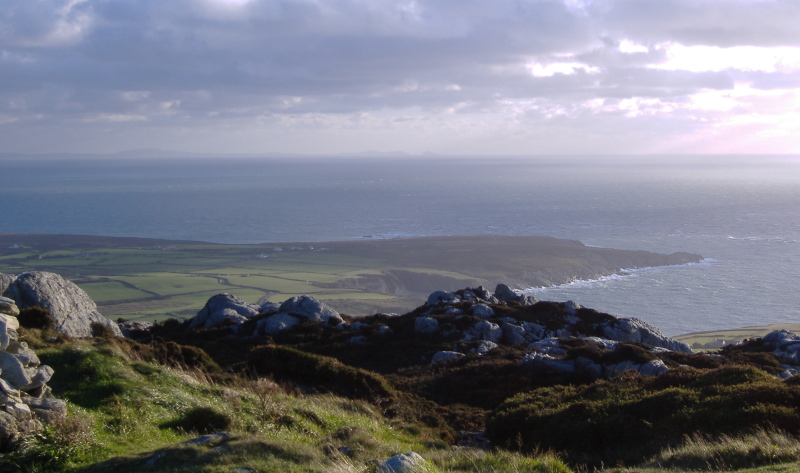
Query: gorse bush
pixel 632 418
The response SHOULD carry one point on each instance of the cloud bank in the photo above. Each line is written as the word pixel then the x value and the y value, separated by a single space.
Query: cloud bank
pixel 447 76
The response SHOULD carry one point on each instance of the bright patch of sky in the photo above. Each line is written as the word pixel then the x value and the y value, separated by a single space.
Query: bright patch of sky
pixel 451 77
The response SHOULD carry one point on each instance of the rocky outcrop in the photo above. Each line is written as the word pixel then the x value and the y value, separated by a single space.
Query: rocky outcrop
pixel 504 293
pixel 637 330
pixel 223 309
pixel 552 357
pixel 72 310
pixel 785 345
pixel 307 307
pixel 271 318
pixel 25 400
pixel 5 281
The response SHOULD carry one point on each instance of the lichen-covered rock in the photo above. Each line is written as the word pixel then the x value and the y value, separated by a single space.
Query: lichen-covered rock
pixel 446 356
pixel 426 325
pixel 5 281
pixel 307 307
pixel 442 297
pixel 25 400
pixel 484 330
pixel 8 306
pixel 221 309
pixel 637 330
pixel 275 324
pixel 72 310
pixel 410 462
pixel 482 311
pixel 503 293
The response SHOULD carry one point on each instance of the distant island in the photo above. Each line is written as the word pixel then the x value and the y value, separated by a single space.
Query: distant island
pixel 154 279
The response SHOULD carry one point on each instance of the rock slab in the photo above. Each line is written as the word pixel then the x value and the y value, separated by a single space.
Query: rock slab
pixel 73 311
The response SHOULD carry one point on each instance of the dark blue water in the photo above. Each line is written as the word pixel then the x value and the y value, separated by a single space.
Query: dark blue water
pixel 739 212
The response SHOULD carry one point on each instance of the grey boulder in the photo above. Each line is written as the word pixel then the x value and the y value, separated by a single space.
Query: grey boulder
pixel 482 311
pixel 403 463
pixel 637 330
pixel 426 325
pixel 221 309
pixel 8 306
pixel 275 324
pixel 446 357
pixel 307 307
pixel 73 311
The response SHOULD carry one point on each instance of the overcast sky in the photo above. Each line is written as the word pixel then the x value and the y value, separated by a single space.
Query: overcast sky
pixel 446 76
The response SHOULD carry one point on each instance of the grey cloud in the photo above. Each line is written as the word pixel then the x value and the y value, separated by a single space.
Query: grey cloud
pixel 187 63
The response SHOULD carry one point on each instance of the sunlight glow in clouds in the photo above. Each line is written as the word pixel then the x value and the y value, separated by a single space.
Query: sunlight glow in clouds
pixel 565 68
pixel 743 58
pixel 451 77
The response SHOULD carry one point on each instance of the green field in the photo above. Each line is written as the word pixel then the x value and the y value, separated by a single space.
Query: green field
pixel 137 278
pixel 176 281
pixel 713 339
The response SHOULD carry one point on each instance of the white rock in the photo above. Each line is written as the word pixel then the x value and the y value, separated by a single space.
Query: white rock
pixel 403 463
pixel 275 324
pixel 307 307
pixel 426 325
pixel 653 368
pixel 485 330
pixel 72 310
pixel 446 356
pixel 482 311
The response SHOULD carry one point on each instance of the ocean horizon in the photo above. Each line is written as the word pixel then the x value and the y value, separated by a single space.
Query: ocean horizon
pixel 738 212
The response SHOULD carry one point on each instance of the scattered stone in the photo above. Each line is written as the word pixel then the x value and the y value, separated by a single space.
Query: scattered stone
pixel 426 325
pixel 8 307
pixel 275 324
pixel 73 311
pixel 307 307
pixel 131 328
pixel 482 311
pixel 25 400
pixel 357 340
pixel 637 330
pixel 221 309
pixel 484 330
pixel 384 331
pixel 442 297
pixel 403 463
pixel 484 347
pixel 503 293
pixel 209 439
pixel 446 357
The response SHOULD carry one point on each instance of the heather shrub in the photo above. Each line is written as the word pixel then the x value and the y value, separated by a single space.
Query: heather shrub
pixel 632 418
pixel 320 372
pixel 35 317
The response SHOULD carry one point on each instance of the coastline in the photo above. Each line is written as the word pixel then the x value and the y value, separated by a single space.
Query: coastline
pixel 156 278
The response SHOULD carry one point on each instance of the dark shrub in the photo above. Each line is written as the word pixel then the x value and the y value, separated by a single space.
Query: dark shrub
pixel 320 372
pixel 631 419
pixel 101 330
pixel 35 317
pixel 203 420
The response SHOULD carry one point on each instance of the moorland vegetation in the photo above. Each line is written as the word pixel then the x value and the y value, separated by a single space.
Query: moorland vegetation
pixel 309 399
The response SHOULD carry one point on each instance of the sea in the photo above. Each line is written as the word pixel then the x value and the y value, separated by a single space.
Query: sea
pixel 741 213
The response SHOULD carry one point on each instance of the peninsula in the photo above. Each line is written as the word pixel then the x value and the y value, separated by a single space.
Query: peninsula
pixel 154 279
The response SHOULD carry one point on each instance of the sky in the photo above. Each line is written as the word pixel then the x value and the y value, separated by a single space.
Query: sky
pixel 456 77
